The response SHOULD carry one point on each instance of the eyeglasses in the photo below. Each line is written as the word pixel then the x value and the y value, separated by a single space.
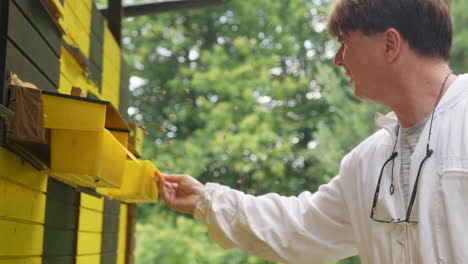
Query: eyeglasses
pixel 394 154
pixel 429 153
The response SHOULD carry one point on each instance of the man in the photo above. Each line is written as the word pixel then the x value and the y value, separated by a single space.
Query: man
pixel 401 195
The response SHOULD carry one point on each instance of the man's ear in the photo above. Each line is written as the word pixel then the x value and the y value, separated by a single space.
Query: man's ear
pixel 393 44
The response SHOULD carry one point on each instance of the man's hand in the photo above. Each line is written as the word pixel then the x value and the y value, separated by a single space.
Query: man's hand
pixel 180 192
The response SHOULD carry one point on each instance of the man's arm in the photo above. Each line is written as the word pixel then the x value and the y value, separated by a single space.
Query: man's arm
pixel 310 228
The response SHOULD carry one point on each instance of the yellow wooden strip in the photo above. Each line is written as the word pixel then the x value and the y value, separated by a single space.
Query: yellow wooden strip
pixel 90 221
pixel 76 33
pixel 20 239
pixel 31 260
pixel 65 85
pixel 82 14
pixel 111 48
pixel 13 168
pixel 91 202
pixel 73 73
pixel 21 203
pixel 111 69
pixel 88 243
pixel 121 258
pixel 89 259
pixel 122 243
pixel 87 4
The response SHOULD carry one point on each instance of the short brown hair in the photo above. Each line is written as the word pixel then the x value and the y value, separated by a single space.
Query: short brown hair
pixel 425 24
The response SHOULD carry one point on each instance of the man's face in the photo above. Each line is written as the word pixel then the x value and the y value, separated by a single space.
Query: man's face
pixel 362 58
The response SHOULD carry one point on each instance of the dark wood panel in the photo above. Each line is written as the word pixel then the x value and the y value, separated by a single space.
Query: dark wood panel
pixel 58 242
pixel 96 48
pixel 124 93
pixel 61 215
pixel 28 40
pixel 42 22
pixel 59 191
pixel 110 258
pixel 58 260
pixel 110 223
pixel 109 242
pixel 3 91
pixel 96 74
pixel 16 62
pixel 97 21
pixel 111 207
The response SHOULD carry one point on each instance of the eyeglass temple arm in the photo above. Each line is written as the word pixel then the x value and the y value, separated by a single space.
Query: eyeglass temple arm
pixel 377 189
pixel 415 188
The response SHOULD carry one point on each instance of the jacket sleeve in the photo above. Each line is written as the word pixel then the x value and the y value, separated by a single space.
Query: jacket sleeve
pixel 309 228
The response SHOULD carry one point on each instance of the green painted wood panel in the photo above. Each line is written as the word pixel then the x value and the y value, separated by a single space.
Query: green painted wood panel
pixel 3 42
pixel 96 45
pixel 42 22
pixel 28 40
pixel 59 242
pixel 61 215
pixel 111 207
pixel 61 222
pixel 59 260
pixel 110 258
pixel 59 191
pixel 16 62
pixel 109 242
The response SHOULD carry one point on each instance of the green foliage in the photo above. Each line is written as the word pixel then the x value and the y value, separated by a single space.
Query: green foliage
pixel 165 237
pixel 246 95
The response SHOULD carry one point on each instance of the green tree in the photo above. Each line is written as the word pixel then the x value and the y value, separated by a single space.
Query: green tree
pixel 246 95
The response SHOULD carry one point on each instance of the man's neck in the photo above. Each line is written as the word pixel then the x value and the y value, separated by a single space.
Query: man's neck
pixel 418 91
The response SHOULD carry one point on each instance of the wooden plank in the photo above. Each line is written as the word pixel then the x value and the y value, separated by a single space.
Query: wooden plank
pixel 65 85
pixel 111 48
pixel 59 191
pixel 121 247
pixel 91 202
pixel 16 62
pixel 131 226
pixel 121 258
pixel 58 242
pixel 124 91
pixel 82 14
pixel 111 207
pixel 114 17
pixel 15 170
pixel 77 34
pixel 96 49
pixel 23 34
pixel 3 29
pixel 96 74
pixel 58 260
pixel 109 242
pixel 97 21
pixel 23 239
pixel 110 224
pixel 88 243
pixel 43 23
pixel 89 259
pixel 21 203
pixel 26 260
pixel 109 258
pixel 72 72
pixel 90 221
pixel 61 215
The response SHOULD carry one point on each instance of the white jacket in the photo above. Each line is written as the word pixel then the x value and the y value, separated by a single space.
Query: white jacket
pixel 334 222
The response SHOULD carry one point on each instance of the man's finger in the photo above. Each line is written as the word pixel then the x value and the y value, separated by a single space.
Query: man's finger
pixel 174 177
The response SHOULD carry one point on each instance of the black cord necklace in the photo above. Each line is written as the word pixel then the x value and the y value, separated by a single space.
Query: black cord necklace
pixel 429 151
